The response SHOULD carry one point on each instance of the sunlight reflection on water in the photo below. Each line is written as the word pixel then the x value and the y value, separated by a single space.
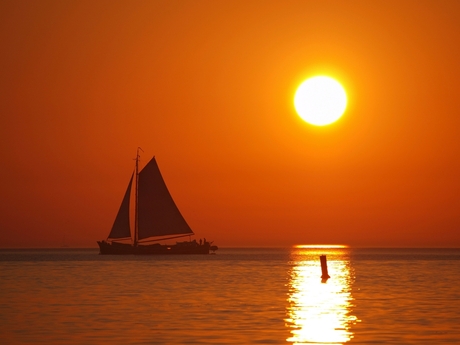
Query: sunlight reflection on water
pixel 320 312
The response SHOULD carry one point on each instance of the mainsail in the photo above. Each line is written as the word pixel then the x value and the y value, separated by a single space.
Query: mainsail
pixel 158 215
pixel 120 228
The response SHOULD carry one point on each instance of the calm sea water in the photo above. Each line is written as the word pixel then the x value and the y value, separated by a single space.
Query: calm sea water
pixel 239 296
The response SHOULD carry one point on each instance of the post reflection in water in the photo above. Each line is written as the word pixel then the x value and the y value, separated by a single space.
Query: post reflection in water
pixel 320 311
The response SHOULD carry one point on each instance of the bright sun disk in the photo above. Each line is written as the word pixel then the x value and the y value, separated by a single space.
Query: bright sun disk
pixel 320 100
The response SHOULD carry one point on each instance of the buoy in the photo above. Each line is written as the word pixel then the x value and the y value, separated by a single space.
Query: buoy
pixel 324 272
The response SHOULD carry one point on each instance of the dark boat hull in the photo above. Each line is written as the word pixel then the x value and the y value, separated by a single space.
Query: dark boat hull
pixel 180 248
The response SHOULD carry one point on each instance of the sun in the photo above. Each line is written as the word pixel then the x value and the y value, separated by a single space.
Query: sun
pixel 320 100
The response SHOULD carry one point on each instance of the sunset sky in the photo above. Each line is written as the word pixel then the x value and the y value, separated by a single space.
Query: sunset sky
pixel 207 88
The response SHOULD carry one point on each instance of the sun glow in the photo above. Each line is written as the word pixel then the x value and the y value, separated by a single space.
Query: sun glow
pixel 320 100
pixel 321 246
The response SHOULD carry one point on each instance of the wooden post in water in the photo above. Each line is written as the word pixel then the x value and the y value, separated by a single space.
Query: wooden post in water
pixel 325 274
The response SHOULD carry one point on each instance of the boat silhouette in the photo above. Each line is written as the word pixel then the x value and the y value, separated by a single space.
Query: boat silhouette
pixel 156 218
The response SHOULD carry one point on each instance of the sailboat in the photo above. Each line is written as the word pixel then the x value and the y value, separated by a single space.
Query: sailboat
pixel 156 218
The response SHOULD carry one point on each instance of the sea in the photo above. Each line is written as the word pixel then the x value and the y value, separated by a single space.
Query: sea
pixel 238 296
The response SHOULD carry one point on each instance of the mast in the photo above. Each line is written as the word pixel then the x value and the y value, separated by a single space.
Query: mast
pixel 136 208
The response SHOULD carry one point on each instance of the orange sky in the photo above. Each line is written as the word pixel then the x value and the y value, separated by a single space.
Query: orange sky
pixel 207 87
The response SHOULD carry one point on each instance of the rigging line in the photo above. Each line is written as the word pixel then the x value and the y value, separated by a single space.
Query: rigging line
pixel 119 239
pixel 163 239
pixel 138 155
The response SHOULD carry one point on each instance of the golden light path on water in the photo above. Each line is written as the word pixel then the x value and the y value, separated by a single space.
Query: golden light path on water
pixel 320 312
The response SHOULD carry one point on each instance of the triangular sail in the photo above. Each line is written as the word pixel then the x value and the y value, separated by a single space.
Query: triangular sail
pixel 121 228
pixel 158 215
